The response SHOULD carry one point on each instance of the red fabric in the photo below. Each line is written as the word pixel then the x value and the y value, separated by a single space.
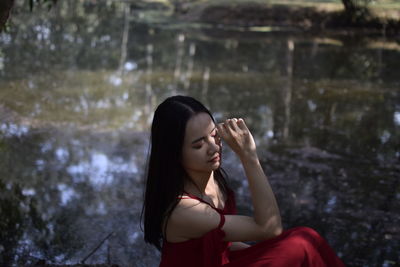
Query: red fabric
pixel 297 247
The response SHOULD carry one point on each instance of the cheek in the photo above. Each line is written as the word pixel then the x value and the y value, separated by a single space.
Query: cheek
pixel 190 158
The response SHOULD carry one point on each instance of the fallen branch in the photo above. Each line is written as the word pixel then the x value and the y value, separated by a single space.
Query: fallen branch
pixel 96 248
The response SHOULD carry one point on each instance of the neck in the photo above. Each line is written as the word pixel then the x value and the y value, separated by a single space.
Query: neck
pixel 201 183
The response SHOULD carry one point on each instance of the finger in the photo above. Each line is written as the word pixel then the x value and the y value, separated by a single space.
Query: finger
pixel 221 129
pixel 218 139
pixel 242 125
pixel 229 125
pixel 229 128
pixel 217 135
pixel 233 124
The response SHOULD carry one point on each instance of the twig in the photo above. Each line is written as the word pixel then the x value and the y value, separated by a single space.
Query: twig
pixel 96 248
pixel 108 253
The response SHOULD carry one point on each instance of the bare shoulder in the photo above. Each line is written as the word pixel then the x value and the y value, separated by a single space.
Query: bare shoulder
pixel 191 219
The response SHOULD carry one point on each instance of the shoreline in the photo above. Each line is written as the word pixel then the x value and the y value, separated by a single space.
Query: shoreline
pixel 305 19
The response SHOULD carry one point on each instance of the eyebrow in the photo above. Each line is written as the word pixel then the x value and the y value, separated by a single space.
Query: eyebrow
pixel 201 138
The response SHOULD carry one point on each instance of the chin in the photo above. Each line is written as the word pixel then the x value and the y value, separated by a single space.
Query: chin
pixel 216 167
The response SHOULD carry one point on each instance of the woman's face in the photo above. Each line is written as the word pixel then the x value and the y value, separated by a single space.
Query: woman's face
pixel 201 151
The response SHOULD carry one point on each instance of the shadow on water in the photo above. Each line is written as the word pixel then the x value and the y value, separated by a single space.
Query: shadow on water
pixel 78 88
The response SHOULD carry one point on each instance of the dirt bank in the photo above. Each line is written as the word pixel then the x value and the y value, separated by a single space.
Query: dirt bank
pixel 300 17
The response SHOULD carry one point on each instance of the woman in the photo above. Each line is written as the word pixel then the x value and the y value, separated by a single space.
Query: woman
pixel 189 210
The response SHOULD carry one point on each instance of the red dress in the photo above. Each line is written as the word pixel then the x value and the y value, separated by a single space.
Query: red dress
pixel 297 247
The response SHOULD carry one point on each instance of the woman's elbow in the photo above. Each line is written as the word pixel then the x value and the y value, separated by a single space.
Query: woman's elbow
pixel 278 227
pixel 271 233
pixel 278 230
pixel 273 230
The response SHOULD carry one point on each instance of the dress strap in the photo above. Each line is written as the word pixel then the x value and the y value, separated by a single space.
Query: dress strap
pixel 221 215
pixel 190 196
pixel 222 220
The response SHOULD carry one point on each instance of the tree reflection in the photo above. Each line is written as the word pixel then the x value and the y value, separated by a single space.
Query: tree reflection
pixel 42 216
pixel 18 206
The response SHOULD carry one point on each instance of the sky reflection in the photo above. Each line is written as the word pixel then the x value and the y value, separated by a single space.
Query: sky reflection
pixel 397 118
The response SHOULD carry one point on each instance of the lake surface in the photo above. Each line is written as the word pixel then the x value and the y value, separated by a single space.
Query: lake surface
pixel 79 84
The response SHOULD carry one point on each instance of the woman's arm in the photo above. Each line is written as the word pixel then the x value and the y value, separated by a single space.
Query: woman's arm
pixel 238 246
pixel 266 212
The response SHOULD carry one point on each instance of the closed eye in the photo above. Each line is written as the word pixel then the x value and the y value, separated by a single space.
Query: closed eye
pixel 202 138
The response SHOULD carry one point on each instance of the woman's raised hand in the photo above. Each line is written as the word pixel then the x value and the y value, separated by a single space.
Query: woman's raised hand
pixel 236 134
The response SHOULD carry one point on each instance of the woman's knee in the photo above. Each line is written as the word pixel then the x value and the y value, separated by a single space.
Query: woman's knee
pixel 306 235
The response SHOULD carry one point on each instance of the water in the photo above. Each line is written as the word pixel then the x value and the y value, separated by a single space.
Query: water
pixel 78 88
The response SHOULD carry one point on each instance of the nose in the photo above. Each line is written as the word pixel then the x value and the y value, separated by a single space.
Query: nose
pixel 215 145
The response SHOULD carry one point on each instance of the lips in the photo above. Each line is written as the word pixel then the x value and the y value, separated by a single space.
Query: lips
pixel 216 158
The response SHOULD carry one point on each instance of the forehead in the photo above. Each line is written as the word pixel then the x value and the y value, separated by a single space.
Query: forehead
pixel 199 125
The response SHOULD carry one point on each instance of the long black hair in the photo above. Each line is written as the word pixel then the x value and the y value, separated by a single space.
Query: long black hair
pixel 165 174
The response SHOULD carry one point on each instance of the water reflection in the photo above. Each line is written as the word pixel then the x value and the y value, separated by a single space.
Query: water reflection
pixel 76 107
pixel 78 193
